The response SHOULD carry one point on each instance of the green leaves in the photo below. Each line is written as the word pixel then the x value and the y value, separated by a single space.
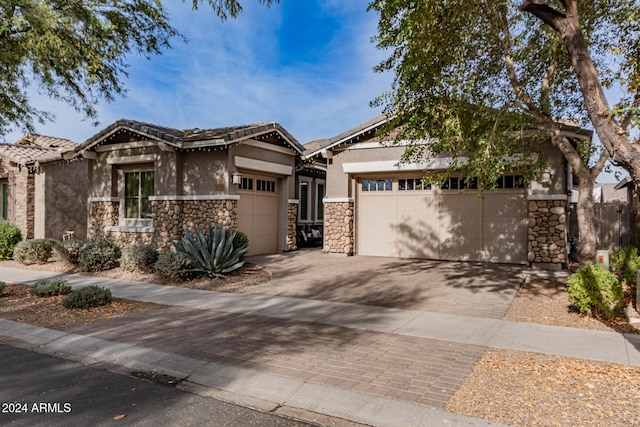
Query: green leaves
pixel 213 254
pixel 73 50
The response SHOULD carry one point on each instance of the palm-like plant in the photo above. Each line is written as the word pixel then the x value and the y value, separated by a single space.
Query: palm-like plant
pixel 213 254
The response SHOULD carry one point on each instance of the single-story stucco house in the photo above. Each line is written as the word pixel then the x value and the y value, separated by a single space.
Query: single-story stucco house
pixel 44 196
pixel 149 183
pixel 374 207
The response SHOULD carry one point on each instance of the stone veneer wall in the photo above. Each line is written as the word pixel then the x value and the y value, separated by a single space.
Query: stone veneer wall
pixel 547 233
pixel 338 228
pixel 173 217
pixel 170 219
pixel 102 214
pixel 292 220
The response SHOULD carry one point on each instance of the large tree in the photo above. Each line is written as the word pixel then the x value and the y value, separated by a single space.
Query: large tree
pixel 477 77
pixel 76 51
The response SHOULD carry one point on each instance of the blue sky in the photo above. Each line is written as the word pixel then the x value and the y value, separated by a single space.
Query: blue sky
pixel 304 64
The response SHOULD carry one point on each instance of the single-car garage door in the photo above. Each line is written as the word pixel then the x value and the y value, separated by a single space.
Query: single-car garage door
pixel 258 213
pixel 401 217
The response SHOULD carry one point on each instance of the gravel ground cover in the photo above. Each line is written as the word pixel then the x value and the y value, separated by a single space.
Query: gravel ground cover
pixel 530 389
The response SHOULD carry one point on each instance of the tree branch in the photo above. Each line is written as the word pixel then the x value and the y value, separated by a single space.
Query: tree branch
pixel 546 13
pixel 626 121
pixel 602 161
pixel 505 42
pixel 546 86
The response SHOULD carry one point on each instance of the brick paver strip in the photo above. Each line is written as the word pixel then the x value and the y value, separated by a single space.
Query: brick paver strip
pixel 412 369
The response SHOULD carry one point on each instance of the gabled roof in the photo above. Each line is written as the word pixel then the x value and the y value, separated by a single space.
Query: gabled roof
pixel 188 138
pixel 367 128
pixel 59 144
pixel 26 155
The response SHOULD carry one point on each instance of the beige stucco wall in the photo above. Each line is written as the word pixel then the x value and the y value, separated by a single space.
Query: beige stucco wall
pixel 204 173
pixel 339 186
pixel 252 152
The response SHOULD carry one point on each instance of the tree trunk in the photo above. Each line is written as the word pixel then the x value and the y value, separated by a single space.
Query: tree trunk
pixel 586 221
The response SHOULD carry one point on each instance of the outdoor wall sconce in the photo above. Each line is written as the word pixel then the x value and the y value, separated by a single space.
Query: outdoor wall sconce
pixel 545 178
pixel 236 178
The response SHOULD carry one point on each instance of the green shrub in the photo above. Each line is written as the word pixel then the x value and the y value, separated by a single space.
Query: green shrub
pixel 213 254
pixel 88 296
pixel 50 287
pixel 70 250
pixel 241 240
pixel 595 290
pixel 36 251
pixel 172 266
pixel 625 263
pixel 9 237
pixel 3 286
pixel 139 257
pixel 98 256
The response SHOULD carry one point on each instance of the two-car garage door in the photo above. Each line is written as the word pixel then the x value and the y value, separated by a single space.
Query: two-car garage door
pixel 401 217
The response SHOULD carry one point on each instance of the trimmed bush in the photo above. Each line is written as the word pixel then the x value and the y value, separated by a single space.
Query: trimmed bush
pixel 9 237
pixel 139 257
pixel 50 287
pixel 98 256
pixel 3 286
pixel 213 254
pixel 240 240
pixel 625 263
pixel 172 266
pixel 36 251
pixel 70 250
pixel 88 296
pixel 594 290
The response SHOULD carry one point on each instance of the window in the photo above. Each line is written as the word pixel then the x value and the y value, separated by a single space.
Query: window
pixel 319 206
pixel 138 187
pixel 510 181
pixel 377 184
pixel 5 201
pixel 412 184
pixel 264 185
pixel 304 201
pixel 247 184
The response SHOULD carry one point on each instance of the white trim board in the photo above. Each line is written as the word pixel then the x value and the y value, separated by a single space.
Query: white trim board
pixel 262 166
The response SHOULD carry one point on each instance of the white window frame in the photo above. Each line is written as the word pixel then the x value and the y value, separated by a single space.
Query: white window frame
pixel 308 202
pixel 133 222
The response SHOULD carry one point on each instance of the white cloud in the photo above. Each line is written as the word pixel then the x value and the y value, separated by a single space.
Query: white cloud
pixel 229 73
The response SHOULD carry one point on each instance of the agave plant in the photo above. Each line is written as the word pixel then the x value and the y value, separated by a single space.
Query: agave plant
pixel 213 254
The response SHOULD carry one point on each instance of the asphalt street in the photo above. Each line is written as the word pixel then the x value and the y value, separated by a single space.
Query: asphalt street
pixel 40 390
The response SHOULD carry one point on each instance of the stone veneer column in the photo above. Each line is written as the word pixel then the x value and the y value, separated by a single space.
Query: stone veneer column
pixel 547 233
pixel 292 219
pixel 338 227
pixel 102 214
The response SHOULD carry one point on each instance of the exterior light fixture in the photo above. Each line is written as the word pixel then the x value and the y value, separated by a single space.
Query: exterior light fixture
pixel 236 178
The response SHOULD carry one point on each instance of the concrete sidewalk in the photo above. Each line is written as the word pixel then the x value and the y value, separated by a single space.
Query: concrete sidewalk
pixel 259 384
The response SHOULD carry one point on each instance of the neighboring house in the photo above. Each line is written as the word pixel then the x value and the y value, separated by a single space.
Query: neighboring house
pixel 150 183
pixel 374 207
pixel 43 195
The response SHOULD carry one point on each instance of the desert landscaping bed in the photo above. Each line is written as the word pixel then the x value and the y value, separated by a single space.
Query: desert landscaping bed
pixel 511 387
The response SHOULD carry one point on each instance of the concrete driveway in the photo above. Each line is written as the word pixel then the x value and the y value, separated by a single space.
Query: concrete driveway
pixel 464 288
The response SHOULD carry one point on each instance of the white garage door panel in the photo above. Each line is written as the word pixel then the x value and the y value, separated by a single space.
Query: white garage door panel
pixel 258 217
pixel 378 225
pixel 435 224
pixel 417 233
pixel 505 228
